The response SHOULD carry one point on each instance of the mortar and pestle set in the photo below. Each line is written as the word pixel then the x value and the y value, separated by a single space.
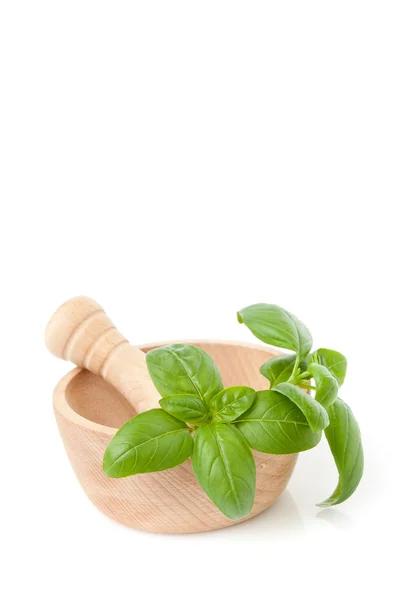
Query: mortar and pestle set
pixel 111 385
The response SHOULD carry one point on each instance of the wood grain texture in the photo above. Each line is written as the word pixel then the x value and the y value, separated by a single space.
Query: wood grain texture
pixel 88 412
pixel 81 332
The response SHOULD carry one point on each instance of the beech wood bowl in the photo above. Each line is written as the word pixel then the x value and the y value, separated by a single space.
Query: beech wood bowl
pixel 89 411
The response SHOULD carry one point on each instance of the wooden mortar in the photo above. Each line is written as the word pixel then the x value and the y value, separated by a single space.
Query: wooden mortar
pixel 89 410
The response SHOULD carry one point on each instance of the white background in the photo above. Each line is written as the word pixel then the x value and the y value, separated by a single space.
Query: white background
pixel 178 161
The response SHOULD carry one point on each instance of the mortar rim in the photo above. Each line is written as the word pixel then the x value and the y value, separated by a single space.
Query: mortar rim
pixel 61 404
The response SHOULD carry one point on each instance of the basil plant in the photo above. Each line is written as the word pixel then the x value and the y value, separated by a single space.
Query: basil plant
pixel 217 427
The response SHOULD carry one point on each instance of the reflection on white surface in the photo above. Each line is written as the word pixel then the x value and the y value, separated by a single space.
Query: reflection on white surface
pixel 282 517
pixel 337 518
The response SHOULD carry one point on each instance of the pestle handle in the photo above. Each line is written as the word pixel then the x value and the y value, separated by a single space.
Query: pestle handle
pixel 81 332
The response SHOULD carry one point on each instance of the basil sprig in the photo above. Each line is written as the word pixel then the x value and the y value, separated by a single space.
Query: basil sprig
pixel 288 373
pixel 217 427
pixel 221 457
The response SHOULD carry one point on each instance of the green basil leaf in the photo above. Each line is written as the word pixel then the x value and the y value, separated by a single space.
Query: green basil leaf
pixel 224 466
pixel 344 438
pixel 327 386
pixel 184 369
pixel 274 325
pixel 279 368
pixel 151 441
pixel 231 403
pixel 275 425
pixel 334 361
pixel 186 407
pixel 316 415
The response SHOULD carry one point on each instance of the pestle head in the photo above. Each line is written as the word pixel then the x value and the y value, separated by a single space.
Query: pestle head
pixel 81 332
pixel 67 322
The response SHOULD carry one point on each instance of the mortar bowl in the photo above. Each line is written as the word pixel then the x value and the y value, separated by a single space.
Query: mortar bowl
pixel 89 411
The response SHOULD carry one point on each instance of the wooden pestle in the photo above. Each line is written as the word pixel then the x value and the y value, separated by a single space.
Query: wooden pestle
pixel 81 332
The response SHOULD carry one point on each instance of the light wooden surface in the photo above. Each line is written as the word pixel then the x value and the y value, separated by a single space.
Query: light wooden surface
pixel 81 332
pixel 88 412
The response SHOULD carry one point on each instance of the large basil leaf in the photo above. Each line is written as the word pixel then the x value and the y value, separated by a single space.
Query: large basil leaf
pixel 231 403
pixel 224 466
pixel 274 425
pixel 316 415
pixel 334 361
pixel 344 438
pixel 274 325
pixel 326 384
pixel 151 441
pixel 279 368
pixel 184 369
pixel 186 407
